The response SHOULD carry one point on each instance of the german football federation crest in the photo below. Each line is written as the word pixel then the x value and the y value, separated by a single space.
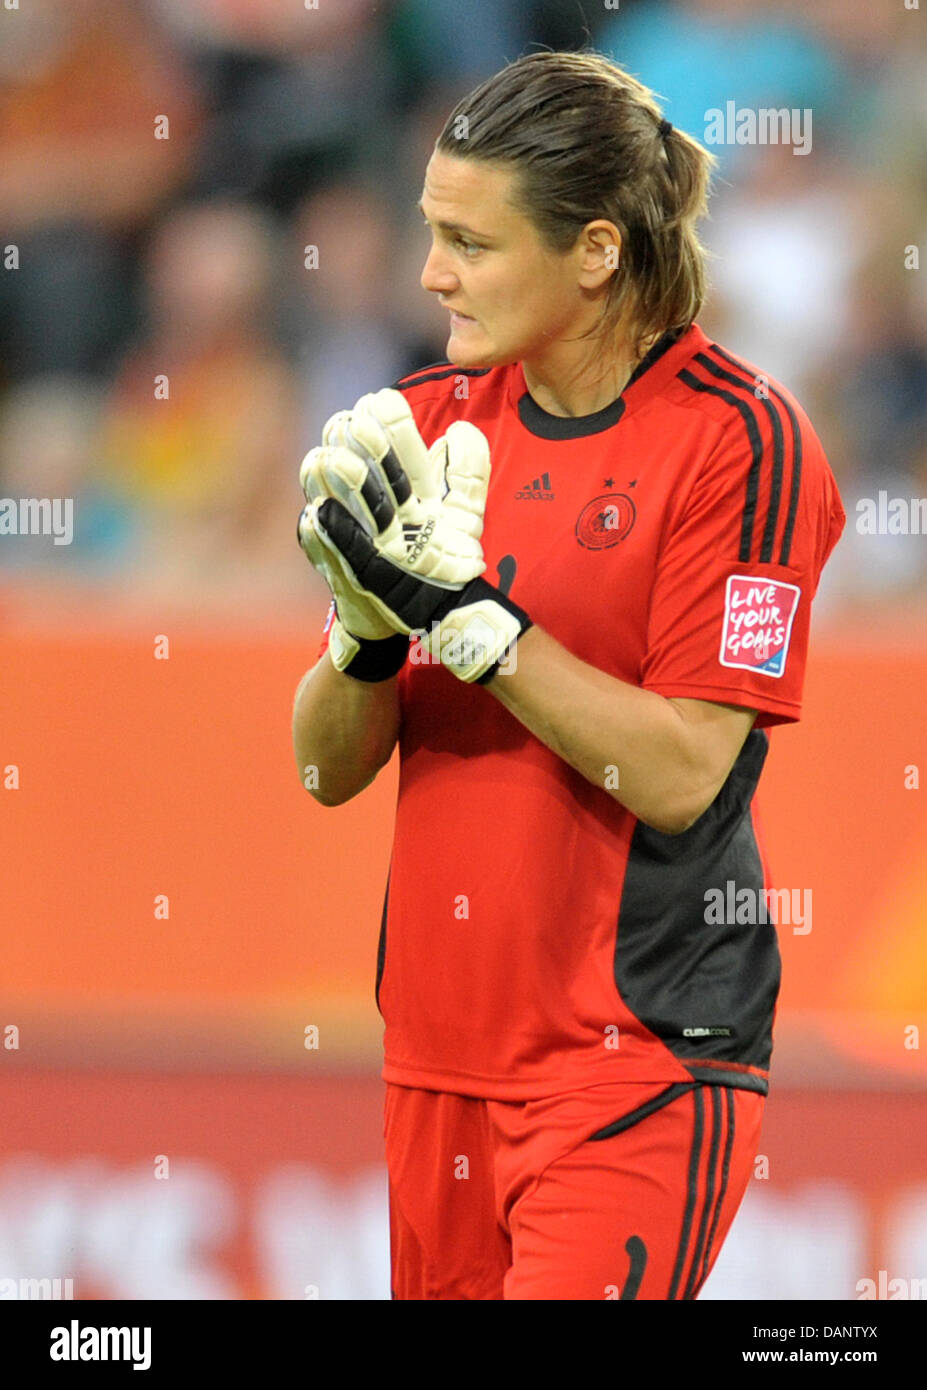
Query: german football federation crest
pixel 605 521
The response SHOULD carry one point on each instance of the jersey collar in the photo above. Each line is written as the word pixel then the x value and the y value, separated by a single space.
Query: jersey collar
pixel 668 356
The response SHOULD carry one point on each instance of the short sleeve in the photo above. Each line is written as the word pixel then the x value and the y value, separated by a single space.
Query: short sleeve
pixel 738 569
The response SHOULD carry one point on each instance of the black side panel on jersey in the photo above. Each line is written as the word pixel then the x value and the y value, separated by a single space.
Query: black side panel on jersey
pixel 706 987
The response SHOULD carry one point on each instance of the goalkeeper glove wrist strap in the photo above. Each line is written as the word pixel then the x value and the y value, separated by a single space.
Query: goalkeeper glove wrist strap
pixel 365 658
pixel 478 628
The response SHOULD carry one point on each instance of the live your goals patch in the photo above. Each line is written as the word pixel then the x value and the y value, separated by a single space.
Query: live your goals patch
pixel 758 616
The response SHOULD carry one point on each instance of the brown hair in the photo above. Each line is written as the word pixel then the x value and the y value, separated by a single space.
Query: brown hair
pixel 586 142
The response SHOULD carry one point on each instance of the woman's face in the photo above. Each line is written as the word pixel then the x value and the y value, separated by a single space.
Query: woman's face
pixel 488 263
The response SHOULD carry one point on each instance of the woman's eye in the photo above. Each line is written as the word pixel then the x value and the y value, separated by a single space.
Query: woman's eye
pixel 469 247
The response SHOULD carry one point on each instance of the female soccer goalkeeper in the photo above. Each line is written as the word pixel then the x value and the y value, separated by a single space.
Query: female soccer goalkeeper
pixel 580 661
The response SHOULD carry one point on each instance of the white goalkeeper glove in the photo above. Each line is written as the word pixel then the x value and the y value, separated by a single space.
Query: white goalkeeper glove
pixel 414 552
pixel 361 642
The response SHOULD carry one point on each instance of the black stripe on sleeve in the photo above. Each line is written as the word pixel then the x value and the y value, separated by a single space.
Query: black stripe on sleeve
pixel 756 445
pixel 692 1192
pixel 775 492
pixel 786 547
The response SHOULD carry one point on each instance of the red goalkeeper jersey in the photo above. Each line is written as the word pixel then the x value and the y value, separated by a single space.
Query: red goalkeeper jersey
pixel 536 937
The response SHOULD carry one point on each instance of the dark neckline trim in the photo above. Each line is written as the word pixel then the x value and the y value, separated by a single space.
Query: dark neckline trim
pixel 557 427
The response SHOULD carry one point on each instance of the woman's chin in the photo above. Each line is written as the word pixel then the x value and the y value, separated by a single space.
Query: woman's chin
pixel 466 354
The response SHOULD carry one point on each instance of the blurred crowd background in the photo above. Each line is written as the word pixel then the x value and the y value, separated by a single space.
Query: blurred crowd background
pixel 291 125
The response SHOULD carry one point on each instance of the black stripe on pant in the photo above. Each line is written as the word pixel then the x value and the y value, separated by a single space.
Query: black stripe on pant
pixel 722 1130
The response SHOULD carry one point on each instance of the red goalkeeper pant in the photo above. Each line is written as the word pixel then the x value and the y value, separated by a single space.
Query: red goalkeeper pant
pixel 620 1191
